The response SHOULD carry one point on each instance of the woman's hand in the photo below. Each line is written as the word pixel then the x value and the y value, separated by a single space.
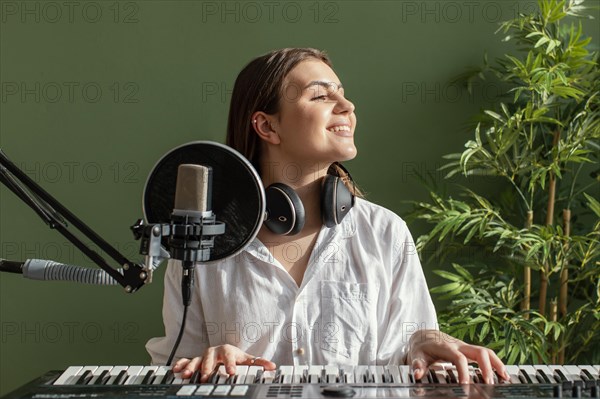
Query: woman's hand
pixel 228 355
pixel 428 346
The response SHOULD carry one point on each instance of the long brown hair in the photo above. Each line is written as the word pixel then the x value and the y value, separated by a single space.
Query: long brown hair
pixel 259 87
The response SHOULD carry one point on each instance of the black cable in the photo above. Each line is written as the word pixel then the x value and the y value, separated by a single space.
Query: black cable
pixel 178 340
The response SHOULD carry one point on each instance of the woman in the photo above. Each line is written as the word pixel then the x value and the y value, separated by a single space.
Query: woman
pixel 347 295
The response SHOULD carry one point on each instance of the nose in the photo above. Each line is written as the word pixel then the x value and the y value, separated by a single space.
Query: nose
pixel 344 105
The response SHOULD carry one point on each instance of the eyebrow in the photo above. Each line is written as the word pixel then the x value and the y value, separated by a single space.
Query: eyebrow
pixel 322 83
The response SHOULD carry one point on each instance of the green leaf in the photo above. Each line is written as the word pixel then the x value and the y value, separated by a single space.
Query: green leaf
pixel 593 204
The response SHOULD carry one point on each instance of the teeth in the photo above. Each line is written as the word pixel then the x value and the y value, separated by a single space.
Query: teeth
pixel 339 128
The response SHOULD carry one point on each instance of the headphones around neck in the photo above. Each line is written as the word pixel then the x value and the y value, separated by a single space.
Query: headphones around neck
pixel 285 211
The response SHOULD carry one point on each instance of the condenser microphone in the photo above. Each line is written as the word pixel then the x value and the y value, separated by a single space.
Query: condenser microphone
pixel 189 242
pixel 191 239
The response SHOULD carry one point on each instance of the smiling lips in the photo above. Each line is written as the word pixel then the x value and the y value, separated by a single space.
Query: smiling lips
pixel 340 130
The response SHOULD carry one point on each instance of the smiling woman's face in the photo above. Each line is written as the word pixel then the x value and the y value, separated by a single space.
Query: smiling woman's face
pixel 315 121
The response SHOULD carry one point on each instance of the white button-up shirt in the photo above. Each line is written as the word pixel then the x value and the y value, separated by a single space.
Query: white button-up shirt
pixel 362 295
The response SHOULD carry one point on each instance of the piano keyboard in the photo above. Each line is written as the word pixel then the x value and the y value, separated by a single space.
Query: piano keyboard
pixel 364 381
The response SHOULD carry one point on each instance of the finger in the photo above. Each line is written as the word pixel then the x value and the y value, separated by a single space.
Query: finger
pixel 462 365
pixel 266 364
pixel 180 364
pixel 192 366
pixel 419 366
pixel 209 362
pixel 498 365
pixel 229 360
pixel 482 357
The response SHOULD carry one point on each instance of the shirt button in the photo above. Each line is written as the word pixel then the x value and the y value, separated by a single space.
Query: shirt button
pixel 300 351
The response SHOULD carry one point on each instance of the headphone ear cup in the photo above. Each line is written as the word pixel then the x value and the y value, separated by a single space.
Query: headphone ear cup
pixel 285 211
pixel 336 200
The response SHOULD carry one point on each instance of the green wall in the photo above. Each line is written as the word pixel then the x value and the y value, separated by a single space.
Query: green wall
pixel 93 92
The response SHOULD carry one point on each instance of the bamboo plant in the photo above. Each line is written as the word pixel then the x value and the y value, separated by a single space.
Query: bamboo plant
pixel 529 286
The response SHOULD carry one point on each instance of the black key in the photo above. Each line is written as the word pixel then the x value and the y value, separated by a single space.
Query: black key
pixel 214 377
pixel 304 378
pixel 120 378
pixel 479 377
pixel 342 375
pixel 84 378
pixel 258 378
pixel 168 378
pixel 103 377
pixel 588 378
pixel 543 377
pixel 562 378
pixel 369 376
pixel 526 379
pixel 433 376
pixel 387 377
pixel 148 377
pixel 452 376
pixel 195 378
pixel 277 377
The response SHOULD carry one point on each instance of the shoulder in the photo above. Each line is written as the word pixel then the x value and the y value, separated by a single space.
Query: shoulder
pixel 379 223
pixel 376 215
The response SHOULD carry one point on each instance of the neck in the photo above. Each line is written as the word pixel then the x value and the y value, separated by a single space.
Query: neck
pixel 305 179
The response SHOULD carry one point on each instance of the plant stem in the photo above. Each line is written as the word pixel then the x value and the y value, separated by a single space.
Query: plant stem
pixel 549 219
pixel 564 279
pixel 526 305
pixel 553 318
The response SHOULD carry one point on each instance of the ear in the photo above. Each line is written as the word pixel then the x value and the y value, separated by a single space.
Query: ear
pixel 263 126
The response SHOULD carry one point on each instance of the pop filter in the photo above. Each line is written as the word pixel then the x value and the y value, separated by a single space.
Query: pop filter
pixel 238 196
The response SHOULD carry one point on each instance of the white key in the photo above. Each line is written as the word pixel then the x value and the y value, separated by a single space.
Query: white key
pixel 81 372
pixel 349 374
pixel 268 376
pixel 549 372
pixel 222 375
pixel 239 390
pixel 440 372
pixel 530 370
pixel 557 367
pixel 314 374
pixel 240 374
pixel 114 373
pixel 405 373
pixel 360 373
pixel 377 372
pixel 394 373
pixel 513 372
pixel 160 374
pixel 287 374
pixel 591 370
pixel 177 380
pixel 251 374
pixel 67 374
pixel 574 371
pixel 298 374
pixel 133 372
pixel 186 390
pixel 97 373
pixel 331 374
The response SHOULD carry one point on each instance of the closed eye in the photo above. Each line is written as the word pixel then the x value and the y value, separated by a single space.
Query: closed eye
pixel 320 98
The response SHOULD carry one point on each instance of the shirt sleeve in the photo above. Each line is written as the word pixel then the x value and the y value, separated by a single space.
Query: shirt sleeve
pixel 410 306
pixel 195 337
